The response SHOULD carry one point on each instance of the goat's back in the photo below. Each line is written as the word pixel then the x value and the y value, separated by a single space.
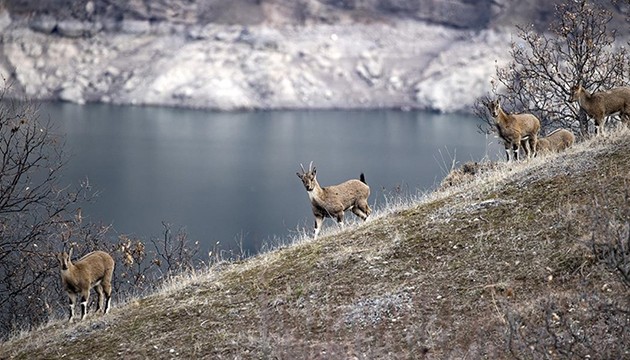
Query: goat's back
pixel 528 124
pixel 354 186
pixel 613 100
pixel 562 137
pixel 348 191
pixel 557 140
pixel 96 262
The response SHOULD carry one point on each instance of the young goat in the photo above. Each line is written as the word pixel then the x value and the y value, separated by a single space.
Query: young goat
pixel 94 270
pixel 603 103
pixel 558 140
pixel 332 201
pixel 515 129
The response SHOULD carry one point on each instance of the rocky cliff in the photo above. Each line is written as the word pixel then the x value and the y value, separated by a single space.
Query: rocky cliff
pixel 254 54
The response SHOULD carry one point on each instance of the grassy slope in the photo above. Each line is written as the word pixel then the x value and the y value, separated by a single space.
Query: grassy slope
pixel 436 278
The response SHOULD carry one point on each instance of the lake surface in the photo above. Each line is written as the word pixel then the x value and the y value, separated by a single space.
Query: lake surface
pixel 231 177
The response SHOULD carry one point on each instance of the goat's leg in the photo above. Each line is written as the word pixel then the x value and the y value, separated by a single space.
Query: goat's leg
pixel 512 150
pixel 516 145
pixel 508 151
pixel 600 125
pixel 84 297
pixel 318 224
pixel 528 150
pixel 107 289
pixel 533 144
pixel 362 210
pixel 73 301
pixel 99 293
pixel 339 217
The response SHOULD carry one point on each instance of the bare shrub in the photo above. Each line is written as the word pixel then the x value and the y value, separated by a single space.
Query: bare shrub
pixel 35 211
pixel 40 216
pixel 578 48
pixel 146 264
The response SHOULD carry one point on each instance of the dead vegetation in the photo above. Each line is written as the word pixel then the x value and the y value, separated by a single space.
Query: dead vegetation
pixel 498 267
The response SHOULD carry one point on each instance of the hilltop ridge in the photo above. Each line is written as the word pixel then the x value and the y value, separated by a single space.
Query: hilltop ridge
pixel 498 267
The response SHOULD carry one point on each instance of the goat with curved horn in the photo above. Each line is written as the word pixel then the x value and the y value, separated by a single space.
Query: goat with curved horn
pixel 333 201
pixel 94 270
pixel 515 129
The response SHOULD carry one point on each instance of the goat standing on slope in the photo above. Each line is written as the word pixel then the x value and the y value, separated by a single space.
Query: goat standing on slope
pixel 603 103
pixel 332 201
pixel 94 270
pixel 514 129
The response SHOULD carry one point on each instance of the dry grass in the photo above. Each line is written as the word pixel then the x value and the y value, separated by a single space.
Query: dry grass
pixel 459 273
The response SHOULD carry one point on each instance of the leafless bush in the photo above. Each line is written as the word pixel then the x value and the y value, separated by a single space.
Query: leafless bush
pixel 579 48
pixel 34 211
pixel 174 251
pixel 39 217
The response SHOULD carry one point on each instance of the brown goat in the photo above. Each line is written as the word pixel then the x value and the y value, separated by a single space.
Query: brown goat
pixel 94 270
pixel 332 201
pixel 603 103
pixel 558 140
pixel 515 129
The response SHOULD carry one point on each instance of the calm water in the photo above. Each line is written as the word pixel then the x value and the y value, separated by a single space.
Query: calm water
pixel 229 176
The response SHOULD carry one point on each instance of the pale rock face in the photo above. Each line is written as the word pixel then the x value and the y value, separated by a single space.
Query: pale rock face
pixel 5 19
pixel 430 54
pixel 408 65
pixel 462 73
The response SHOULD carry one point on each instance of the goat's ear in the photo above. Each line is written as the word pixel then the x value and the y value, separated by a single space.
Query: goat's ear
pixel 70 253
pixel 314 170
pixel 298 174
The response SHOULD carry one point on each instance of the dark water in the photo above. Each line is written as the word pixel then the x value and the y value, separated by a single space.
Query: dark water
pixel 230 176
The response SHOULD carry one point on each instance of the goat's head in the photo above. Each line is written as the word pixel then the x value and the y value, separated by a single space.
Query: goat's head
pixel 308 177
pixel 576 91
pixel 494 107
pixel 64 259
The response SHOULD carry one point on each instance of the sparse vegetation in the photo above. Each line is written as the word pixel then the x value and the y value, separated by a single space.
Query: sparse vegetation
pixel 500 266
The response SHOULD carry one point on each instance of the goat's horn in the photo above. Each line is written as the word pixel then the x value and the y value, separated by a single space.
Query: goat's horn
pixel 302 166
pixel 310 166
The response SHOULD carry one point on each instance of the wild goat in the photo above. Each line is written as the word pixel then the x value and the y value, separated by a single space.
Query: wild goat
pixel 515 129
pixel 558 140
pixel 602 103
pixel 332 201
pixel 94 270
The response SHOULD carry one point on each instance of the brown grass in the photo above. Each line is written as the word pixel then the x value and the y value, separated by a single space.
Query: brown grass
pixel 453 275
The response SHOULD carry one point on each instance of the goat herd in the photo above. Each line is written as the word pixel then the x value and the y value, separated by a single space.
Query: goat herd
pixel 95 269
pixel 518 130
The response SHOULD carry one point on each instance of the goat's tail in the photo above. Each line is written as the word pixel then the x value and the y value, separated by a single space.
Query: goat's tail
pixel 362 178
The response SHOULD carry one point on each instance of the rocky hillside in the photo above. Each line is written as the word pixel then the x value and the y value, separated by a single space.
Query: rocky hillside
pixel 526 261
pixel 252 54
